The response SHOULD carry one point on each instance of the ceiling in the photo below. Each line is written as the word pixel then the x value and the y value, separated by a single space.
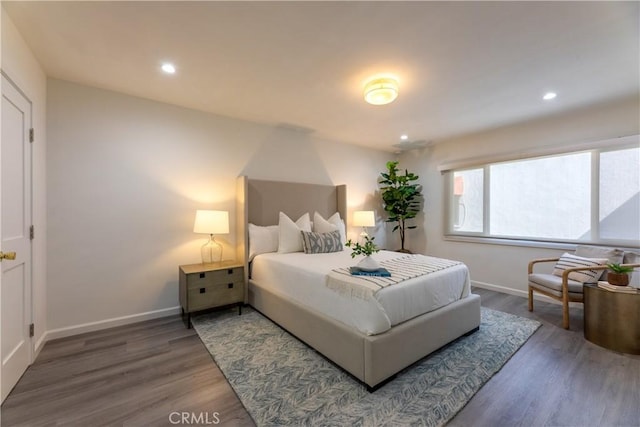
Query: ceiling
pixel 463 67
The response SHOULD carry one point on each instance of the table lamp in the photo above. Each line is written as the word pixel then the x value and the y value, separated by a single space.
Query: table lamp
pixel 211 222
pixel 364 219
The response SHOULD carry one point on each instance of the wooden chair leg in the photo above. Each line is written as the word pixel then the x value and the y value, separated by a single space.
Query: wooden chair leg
pixel 565 312
pixel 530 298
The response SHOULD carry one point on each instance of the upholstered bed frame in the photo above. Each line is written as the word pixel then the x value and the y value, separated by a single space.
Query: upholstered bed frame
pixel 371 359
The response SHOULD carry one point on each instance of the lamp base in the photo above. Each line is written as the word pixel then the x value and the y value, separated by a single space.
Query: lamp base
pixel 362 238
pixel 211 251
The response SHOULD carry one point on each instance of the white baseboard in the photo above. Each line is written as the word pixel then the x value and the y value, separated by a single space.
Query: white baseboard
pixel 517 292
pixel 39 344
pixel 501 289
pixel 68 331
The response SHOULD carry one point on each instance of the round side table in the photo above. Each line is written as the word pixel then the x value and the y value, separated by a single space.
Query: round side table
pixel 612 319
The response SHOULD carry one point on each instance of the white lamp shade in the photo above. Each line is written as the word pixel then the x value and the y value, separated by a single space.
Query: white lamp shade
pixel 211 222
pixel 364 219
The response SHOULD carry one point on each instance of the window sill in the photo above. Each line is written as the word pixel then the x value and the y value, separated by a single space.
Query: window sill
pixel 530 243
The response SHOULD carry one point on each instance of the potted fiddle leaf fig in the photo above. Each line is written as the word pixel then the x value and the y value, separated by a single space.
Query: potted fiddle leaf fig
pixel 618 274
pixel 401 199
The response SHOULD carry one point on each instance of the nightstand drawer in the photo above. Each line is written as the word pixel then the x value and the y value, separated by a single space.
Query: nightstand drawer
pixel 215 295
pixel 205 278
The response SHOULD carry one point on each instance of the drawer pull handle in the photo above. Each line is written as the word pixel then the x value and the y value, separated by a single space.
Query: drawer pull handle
pixel 230 286
pixel 202 290
pixel 230 271
pixel 202 275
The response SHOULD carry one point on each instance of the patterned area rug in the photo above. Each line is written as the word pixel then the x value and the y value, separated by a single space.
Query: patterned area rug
pixel 283 382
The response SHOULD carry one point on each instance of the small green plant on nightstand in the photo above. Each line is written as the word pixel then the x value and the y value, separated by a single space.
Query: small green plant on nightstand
pixel 367 249
pixel 620 269
pixel 619 274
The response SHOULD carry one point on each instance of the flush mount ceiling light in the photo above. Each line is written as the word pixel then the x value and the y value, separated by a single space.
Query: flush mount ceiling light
pixel 549 95
pixel 381 91
pixel 404 137
pixel 168 68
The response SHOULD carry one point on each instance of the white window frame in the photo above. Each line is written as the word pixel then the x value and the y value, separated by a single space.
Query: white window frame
pixel 486 237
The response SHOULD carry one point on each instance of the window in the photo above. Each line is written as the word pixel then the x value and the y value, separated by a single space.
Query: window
pixel 590 196
pixel 619 207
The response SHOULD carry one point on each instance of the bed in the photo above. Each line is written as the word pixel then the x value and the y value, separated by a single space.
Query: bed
pixel 368 339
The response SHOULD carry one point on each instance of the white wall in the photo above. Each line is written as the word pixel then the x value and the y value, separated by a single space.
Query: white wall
pixel 498 266
pixel 1 50
pixel 125 177
pixel 23 69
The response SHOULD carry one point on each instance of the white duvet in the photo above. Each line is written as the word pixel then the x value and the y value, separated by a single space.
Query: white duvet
pixel 303 277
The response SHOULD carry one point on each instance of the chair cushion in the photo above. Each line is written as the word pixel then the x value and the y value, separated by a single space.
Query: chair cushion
pixel 553 282
pixel 567 261
pixel 614 256
pixel 573 296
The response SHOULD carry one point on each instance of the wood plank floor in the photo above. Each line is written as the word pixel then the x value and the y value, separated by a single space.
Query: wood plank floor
pixel 557 378
pixel 137 375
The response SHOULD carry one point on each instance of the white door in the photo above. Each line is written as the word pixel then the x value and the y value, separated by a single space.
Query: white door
pixel 15 214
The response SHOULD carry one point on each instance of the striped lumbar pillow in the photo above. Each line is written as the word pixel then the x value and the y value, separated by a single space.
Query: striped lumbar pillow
pixel 585 276
pixel 321 243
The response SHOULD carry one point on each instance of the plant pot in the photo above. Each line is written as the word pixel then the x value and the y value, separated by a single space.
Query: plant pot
pixel 618 279
pixel 368 264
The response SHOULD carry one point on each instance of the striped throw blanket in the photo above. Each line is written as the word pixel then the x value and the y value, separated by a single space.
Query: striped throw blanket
pixel 401 269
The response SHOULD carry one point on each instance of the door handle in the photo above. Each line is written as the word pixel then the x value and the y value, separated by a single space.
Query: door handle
pixel 7 255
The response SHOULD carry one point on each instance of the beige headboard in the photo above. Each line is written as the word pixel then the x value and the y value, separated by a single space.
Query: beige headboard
pixel 259 202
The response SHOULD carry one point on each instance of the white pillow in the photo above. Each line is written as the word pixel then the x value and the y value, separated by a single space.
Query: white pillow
pixel 289 236
pixel 614 256
pixel 631 258
pixel 586 276
pixel 321 225
pixel 262 240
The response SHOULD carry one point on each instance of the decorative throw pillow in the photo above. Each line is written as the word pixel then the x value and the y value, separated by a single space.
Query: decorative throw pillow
pixel 321 225
pixel 262 240
pixel 289 238
pixel 631 258
pixel 585 276
pixel 321 243
pixel 613 255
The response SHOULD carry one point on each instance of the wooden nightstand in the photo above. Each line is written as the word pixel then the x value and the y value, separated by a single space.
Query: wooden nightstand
pixel 204 286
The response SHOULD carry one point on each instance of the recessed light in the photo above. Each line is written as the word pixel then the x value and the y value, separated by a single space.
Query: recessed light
pixel 549 95
pixel 404 137
pixel 168 68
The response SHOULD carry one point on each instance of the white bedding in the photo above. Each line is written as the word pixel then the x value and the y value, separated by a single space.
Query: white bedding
pixel 302 277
